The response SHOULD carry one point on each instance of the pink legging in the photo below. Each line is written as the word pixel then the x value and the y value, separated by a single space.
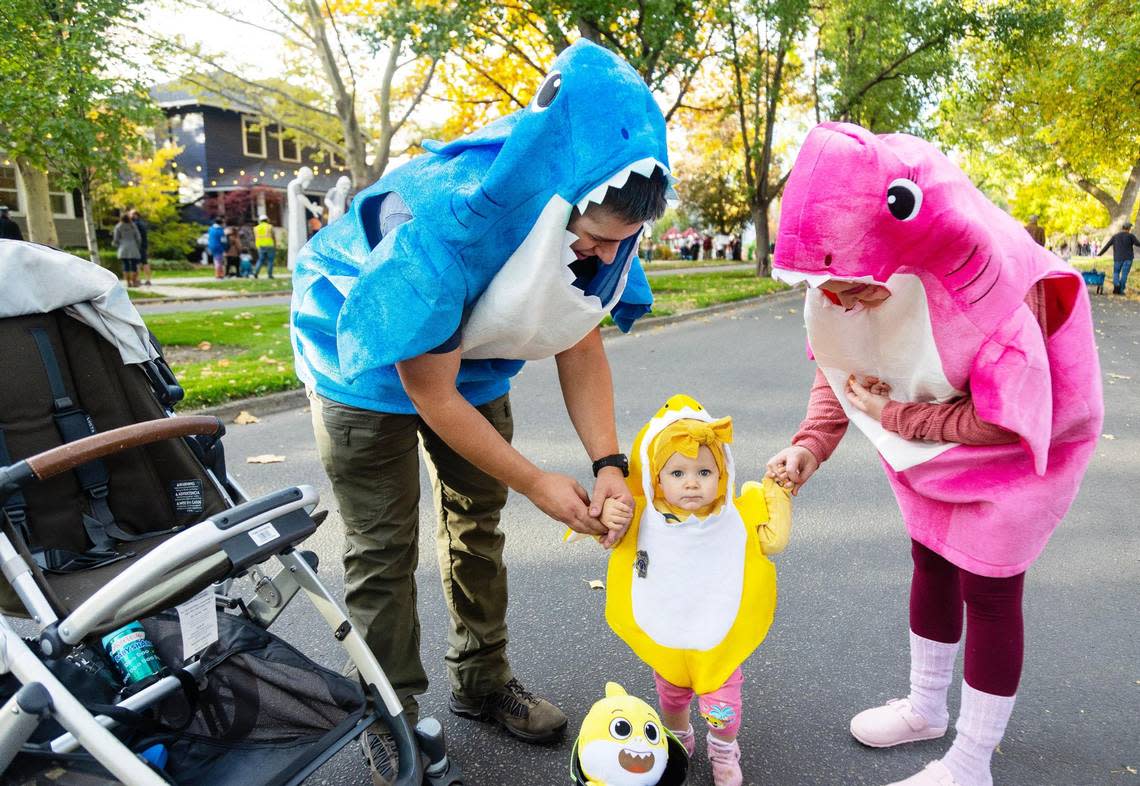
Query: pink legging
pixel 995 637
pixel 720 709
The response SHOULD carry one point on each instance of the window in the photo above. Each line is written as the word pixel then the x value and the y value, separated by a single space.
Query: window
pixel 253 137
pixel 62 205
pixel 288 148
pixel 9 191
pixel 337 159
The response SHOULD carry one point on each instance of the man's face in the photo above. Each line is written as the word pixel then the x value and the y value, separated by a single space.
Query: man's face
pixel 599 234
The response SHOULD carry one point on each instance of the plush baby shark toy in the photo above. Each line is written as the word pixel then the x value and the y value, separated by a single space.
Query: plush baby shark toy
pixel 694 594
pixel 624 743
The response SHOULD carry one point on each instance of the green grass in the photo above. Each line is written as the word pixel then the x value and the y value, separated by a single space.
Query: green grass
pixel 276 284
pixel 198 271
pixel 681 264
pixel 138 293
pixel 249 352
pixel 689 291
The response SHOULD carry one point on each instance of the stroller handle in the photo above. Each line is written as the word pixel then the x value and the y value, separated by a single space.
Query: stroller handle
pixel 65 457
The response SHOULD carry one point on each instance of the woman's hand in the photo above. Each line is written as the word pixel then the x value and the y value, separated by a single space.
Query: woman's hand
pixel 792 467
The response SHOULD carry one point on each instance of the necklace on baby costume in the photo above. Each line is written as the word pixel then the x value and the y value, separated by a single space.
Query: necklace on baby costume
pixel 693 598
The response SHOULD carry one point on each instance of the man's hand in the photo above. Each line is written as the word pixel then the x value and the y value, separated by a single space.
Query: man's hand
pixel 611 485
pixel 792 467
pixel 868 398
pixel 563 498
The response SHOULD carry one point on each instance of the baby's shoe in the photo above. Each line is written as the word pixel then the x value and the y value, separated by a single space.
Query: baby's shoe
pixel 893 723
pixel 725 760
pixel 688 740
pixel 934 774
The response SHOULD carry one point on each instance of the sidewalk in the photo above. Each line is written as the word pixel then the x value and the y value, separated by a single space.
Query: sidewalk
pixel 202 299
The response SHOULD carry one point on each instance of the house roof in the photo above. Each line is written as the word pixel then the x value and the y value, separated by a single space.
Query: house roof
pixel 173 95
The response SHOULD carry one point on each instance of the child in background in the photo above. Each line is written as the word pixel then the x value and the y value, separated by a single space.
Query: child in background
pixel 690 588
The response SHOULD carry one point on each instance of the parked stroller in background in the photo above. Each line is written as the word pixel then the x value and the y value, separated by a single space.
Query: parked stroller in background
pixel 116 511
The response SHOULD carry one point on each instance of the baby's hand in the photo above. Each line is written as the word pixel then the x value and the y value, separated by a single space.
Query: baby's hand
pixel 792 467
pixel 616 516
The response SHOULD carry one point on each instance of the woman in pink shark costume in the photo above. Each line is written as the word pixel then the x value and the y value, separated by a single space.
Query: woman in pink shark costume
pixel 965 352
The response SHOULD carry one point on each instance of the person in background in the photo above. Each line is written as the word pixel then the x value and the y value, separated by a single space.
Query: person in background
pixel 128 243
pixel 1035 230
pixel 233 250
pixel 248 243
pixel 1122 256
pixel 9 229
pixel 216 245
pixel 144 260
pixel 266 247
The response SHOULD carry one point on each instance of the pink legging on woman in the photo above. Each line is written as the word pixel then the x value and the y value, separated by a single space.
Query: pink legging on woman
pixel 720 709
pixel 995 636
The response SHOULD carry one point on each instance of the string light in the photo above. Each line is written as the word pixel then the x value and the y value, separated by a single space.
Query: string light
pixel 198 168
pixel 221 170
pixel 241 172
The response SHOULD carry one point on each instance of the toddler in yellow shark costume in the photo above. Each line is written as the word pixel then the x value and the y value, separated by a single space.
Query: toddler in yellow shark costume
pixel 690 588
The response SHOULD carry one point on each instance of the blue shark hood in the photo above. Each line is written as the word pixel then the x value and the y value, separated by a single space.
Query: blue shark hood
pixel 362 303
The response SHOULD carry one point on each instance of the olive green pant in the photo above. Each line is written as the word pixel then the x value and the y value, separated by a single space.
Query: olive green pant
pixel 373 463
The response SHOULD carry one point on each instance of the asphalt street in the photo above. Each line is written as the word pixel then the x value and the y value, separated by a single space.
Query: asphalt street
pixel 838 644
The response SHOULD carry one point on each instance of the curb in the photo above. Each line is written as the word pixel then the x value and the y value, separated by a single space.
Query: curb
pixel 284 400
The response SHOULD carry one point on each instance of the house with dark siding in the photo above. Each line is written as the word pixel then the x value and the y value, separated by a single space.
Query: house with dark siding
pixel 233 161
pixel 66 205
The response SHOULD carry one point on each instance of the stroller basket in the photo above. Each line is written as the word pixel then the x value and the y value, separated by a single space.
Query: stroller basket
pixel 261 707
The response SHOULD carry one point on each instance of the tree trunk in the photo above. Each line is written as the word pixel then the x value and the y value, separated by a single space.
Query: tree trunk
pixel 89 219
pixel 760 221
pixel 41 225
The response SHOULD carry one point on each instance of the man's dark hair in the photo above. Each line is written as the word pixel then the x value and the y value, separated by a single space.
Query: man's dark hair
pixel 640 199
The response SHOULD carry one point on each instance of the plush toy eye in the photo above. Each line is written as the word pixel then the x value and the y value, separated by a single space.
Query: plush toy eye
pixel 652 733
pixel 620 728
pixel 904 198
pixel 547 91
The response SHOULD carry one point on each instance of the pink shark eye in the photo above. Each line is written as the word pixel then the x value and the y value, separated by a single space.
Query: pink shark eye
pixel 904 198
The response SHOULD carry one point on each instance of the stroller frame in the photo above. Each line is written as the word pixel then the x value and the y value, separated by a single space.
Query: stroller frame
pixel 150 584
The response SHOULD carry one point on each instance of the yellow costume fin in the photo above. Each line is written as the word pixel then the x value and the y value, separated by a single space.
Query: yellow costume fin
pixel 768 507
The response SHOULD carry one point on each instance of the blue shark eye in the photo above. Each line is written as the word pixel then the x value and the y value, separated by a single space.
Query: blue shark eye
pixel 547 91
pixel 904 198
pixel 620 728
pixel 652 733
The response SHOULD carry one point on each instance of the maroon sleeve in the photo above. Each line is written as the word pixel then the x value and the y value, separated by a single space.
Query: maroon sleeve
pixel 825 422
pixel 956 421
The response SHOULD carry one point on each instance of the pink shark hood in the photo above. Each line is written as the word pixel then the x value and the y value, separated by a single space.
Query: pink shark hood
pixel 893 210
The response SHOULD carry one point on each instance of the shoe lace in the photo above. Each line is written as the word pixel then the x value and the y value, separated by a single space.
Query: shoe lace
pixel 515 699
pixel 724 754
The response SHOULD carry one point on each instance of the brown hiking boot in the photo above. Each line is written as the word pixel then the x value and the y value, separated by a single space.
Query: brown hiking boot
pixel 524 715
pixel 379 751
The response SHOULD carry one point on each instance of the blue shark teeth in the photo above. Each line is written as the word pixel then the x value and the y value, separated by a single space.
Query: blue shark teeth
pixel 643 167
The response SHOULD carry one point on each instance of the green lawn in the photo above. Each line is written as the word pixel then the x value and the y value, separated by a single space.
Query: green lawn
pixel 141 293
pixel 239 352
pixel 198 271
pixel 680 264
pixel 276 284
pixel 246 352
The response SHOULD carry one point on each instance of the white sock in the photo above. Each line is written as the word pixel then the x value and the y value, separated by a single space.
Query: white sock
pixel 981 725
pixel 931 671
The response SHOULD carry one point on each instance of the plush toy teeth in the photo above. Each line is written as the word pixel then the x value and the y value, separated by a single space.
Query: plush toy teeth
pixel 643 167
pixel 794 277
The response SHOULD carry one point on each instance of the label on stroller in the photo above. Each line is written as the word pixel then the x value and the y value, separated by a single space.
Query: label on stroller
pixel 186 495
pixel 198 619
pixel 263 534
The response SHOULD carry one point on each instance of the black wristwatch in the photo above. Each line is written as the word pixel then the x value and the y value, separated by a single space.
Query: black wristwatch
pixel 618 460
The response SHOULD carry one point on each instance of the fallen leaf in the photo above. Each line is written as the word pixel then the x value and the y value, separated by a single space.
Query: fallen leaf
pixel 793 311
pixel 228 324
pixel 1109 436
pixel 594 584
pixel 1131 769
pixel 265 458
pixel 207 372
pixel 224 362
pixel 779 316
pixel 1117 376
pixel 266 359
pixel 256 327
pixel 244 418
pixel 204 346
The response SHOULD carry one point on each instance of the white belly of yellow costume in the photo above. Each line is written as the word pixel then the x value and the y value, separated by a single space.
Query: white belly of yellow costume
pixel 694 577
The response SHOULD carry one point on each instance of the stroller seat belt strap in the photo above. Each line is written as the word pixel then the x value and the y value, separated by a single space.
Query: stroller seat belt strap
pixel 15 507
pixel 74 424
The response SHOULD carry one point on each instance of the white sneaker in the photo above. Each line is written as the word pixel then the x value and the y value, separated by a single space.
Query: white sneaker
pixel 892 724
pixel 934 774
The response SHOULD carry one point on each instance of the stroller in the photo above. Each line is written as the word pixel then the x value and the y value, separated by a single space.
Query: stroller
pixel 115 511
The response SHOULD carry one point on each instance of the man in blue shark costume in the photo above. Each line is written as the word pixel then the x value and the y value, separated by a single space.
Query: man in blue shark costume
pixel 411 314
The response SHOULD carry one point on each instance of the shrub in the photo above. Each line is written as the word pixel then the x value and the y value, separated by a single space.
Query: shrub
pixel 662 251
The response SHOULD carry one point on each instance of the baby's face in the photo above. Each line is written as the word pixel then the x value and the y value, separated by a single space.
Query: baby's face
pixel 690 483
